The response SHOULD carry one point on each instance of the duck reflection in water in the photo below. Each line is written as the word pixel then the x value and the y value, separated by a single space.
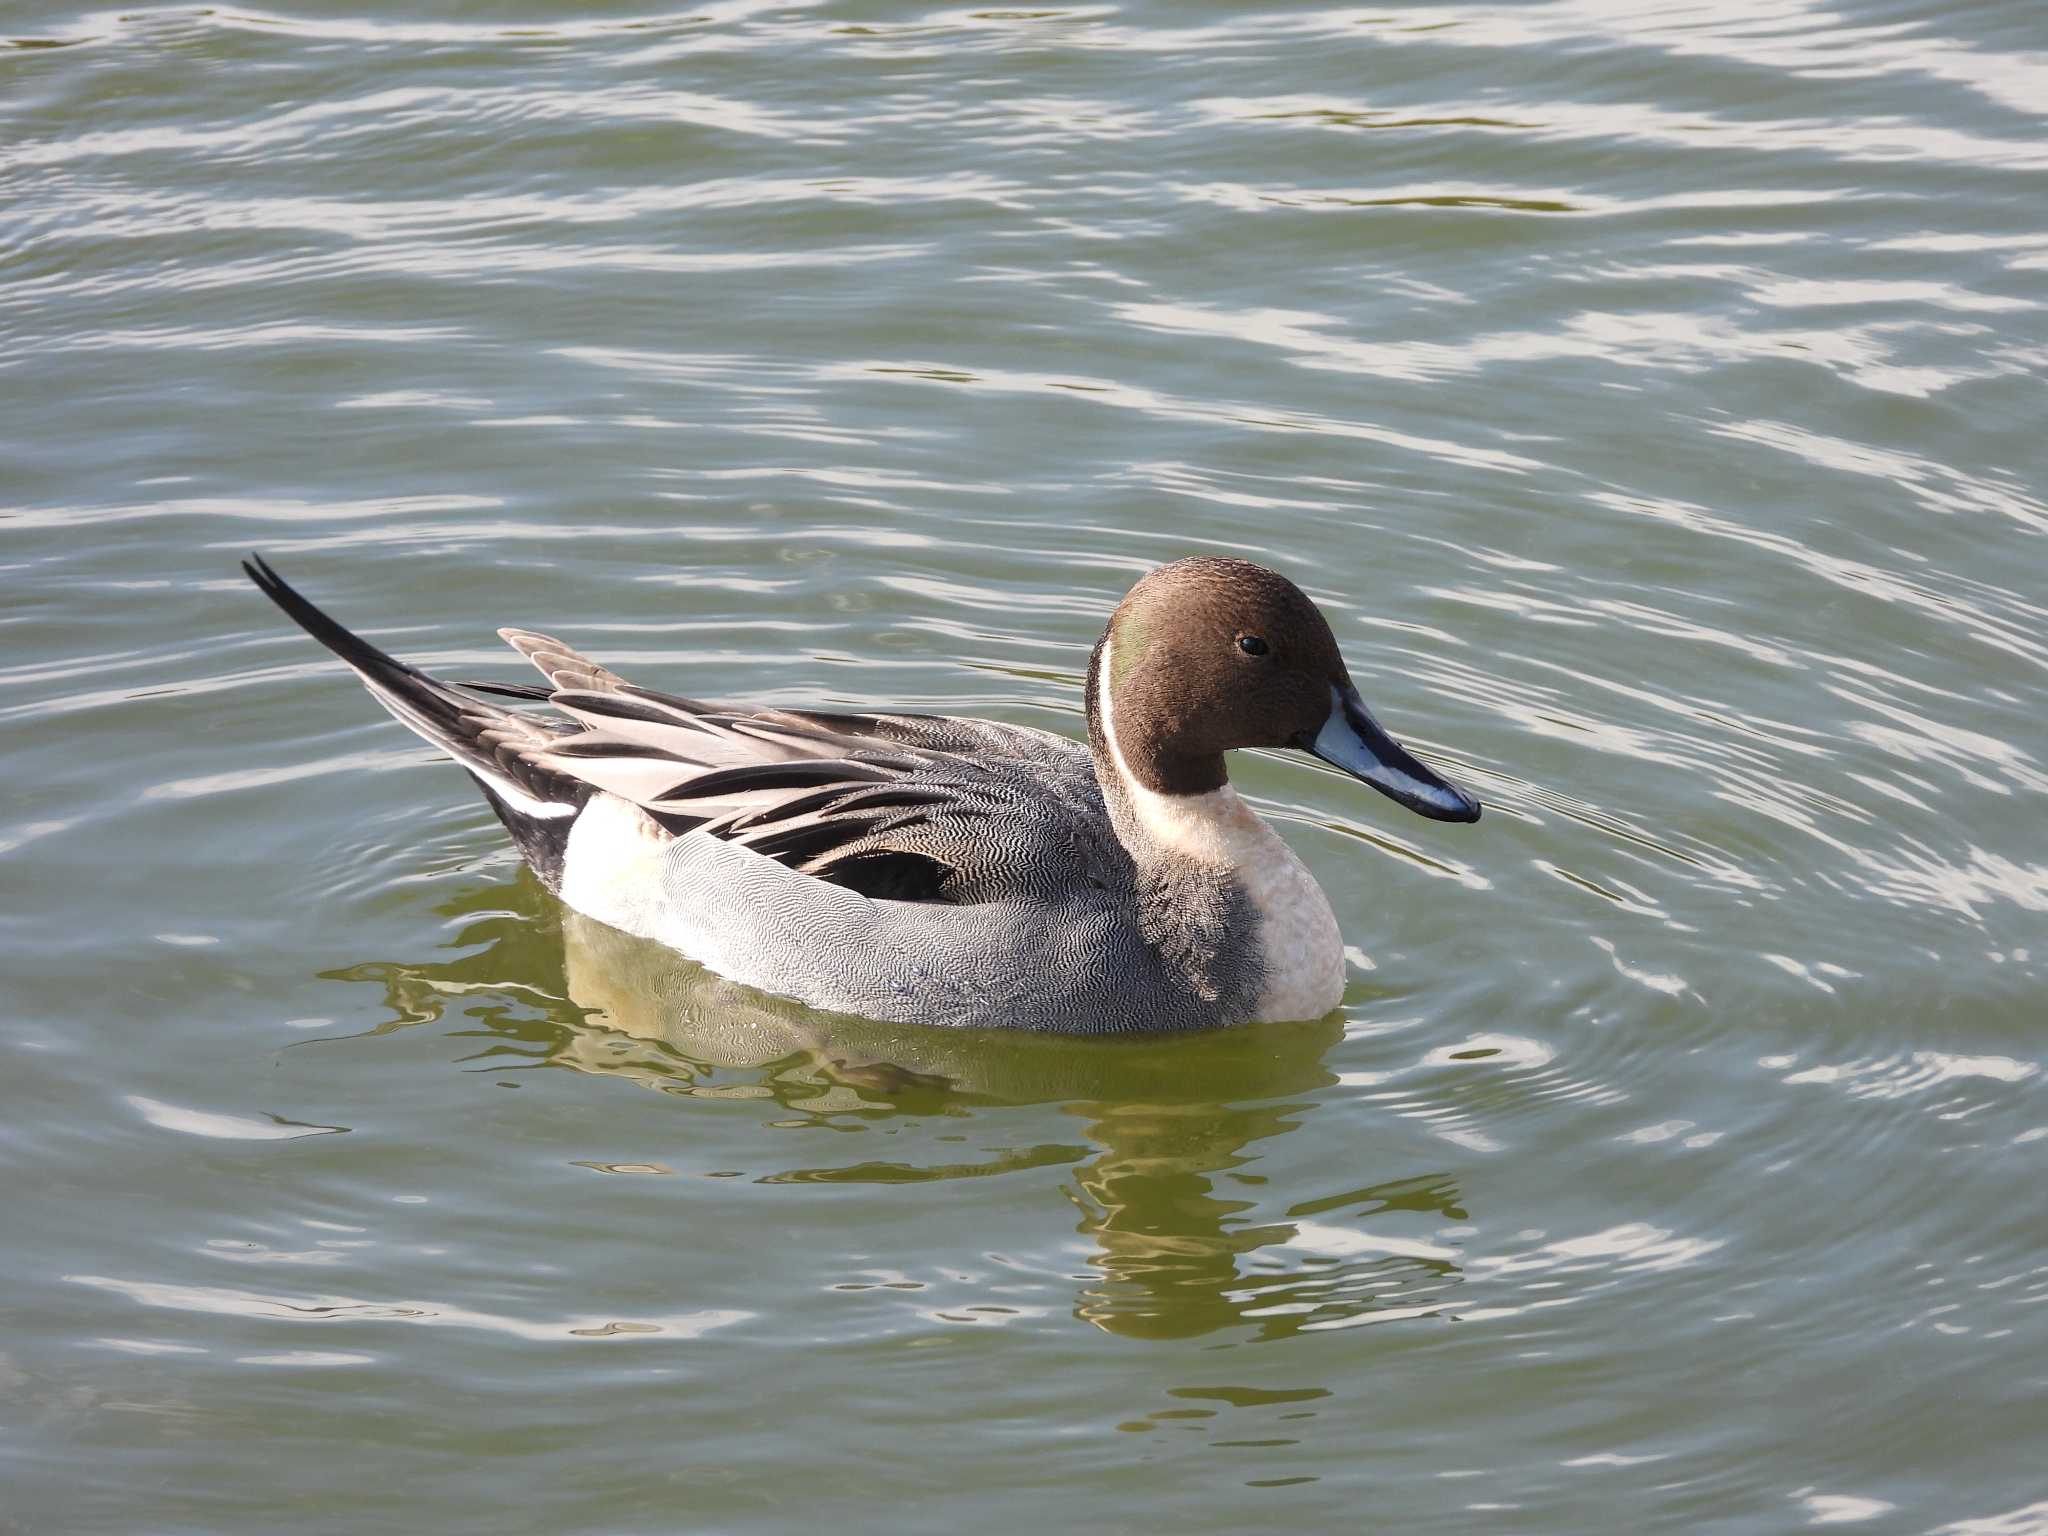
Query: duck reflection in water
pixel 1166 1121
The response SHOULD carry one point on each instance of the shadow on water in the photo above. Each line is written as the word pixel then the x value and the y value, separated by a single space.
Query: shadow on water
pixel 1167 1120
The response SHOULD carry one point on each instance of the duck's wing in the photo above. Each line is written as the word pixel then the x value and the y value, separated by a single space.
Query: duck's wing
pixel 913 807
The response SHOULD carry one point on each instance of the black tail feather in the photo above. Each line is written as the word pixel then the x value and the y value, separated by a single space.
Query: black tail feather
pixel 483 737
pixel 345 643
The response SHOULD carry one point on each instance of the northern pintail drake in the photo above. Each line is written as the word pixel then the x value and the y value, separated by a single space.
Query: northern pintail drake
pixel 936 870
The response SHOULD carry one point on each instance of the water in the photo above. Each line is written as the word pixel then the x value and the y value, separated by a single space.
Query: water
pixel 1652 397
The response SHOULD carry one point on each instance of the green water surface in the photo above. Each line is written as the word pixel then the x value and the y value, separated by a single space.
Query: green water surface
pixel 1651 395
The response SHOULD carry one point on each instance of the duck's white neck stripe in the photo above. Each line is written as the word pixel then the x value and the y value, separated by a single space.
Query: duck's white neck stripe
pixel 1215 827
pixel 1107 711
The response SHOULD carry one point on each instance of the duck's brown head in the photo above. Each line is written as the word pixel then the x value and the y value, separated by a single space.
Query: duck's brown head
pixel 1209 654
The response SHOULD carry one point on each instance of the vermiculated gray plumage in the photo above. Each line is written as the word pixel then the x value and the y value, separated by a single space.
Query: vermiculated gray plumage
pixel 999 831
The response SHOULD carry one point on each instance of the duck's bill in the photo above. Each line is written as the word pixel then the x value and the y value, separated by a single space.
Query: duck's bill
pixel 1352 740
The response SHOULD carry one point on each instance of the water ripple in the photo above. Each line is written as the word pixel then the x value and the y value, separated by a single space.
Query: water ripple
pixel 1648 396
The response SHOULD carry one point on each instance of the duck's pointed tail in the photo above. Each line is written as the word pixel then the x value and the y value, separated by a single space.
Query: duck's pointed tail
pixel 494 743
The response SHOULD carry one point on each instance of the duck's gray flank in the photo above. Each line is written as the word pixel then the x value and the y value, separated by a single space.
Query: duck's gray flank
pixel 931 869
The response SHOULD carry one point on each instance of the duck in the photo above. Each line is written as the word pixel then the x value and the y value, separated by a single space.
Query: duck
pixel 944 870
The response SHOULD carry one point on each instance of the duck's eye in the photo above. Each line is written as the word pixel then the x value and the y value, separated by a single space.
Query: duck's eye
pixel 1252 645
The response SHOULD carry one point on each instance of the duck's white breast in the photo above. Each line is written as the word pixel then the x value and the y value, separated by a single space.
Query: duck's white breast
pixel 1299 940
